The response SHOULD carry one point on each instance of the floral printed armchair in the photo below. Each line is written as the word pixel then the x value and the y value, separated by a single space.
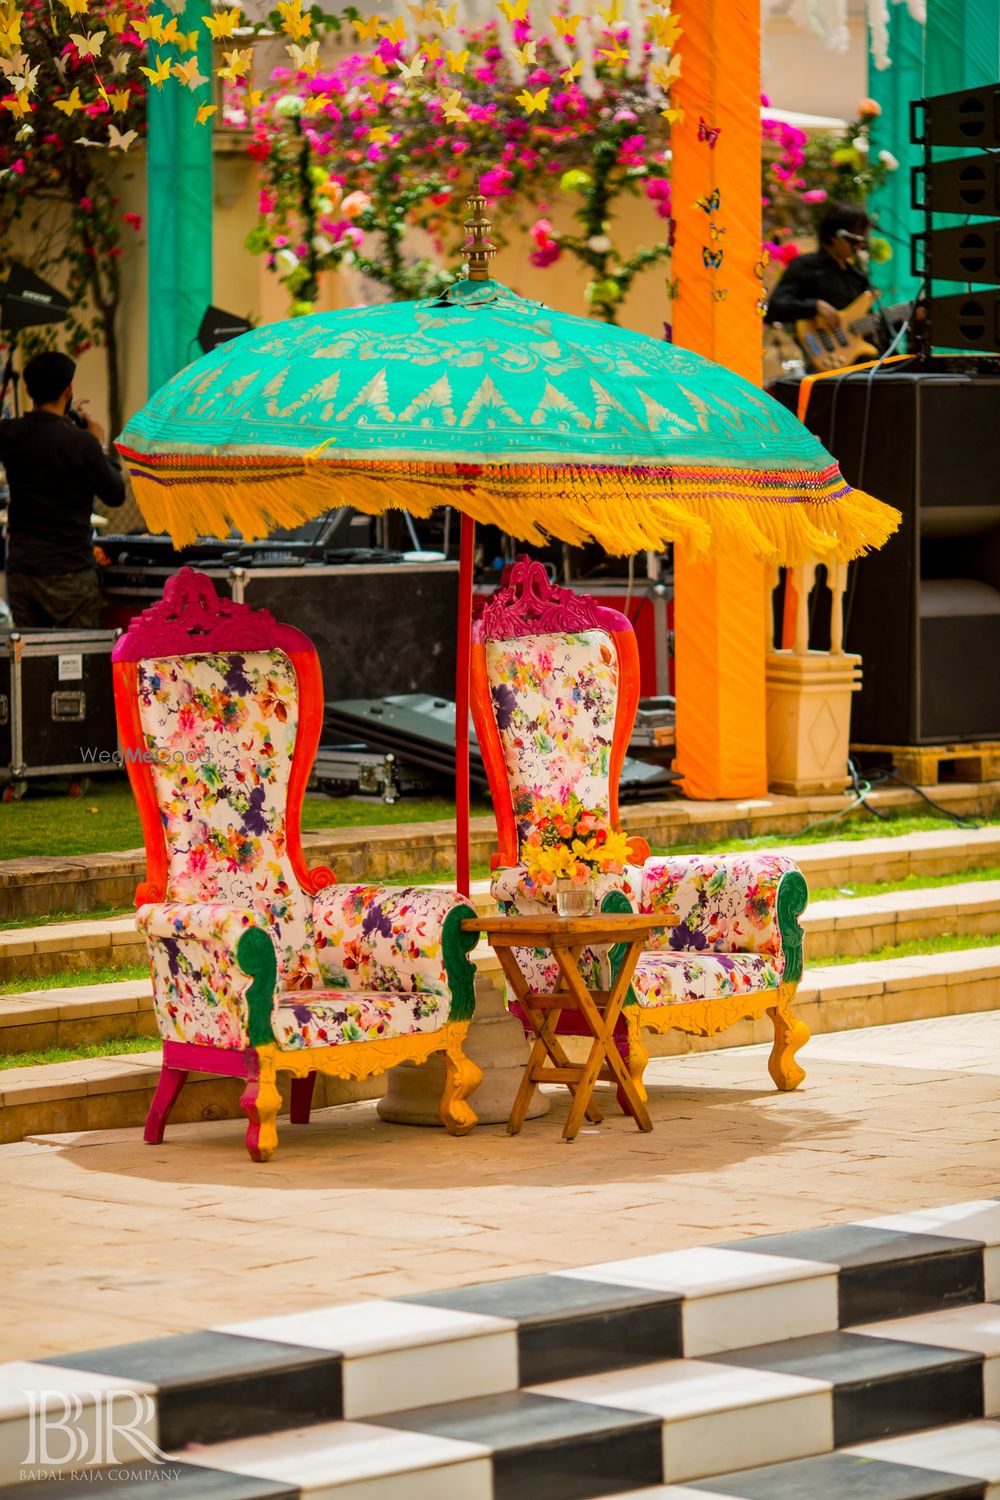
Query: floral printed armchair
pixel 260 965
pixel 555 686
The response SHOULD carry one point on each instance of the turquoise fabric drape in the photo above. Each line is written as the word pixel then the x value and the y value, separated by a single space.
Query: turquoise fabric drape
pixel 893 88
pixel 179 178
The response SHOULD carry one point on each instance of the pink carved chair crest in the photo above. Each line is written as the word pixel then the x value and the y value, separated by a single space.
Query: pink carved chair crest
pixel 555 687
pixel 261 966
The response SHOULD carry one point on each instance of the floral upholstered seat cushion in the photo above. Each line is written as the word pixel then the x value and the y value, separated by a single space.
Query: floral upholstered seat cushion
pixel 677 978
pixel 221 729
pixel 383 938
pixel 328 1019
pixel 716 903
pixel 555 698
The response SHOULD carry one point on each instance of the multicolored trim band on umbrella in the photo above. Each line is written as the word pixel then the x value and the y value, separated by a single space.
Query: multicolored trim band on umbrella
pixel 780 515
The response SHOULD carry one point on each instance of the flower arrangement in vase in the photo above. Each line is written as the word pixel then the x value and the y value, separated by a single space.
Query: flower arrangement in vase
pixel 567 848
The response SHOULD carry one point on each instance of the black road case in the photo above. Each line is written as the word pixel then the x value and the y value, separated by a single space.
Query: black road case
pixel 57 711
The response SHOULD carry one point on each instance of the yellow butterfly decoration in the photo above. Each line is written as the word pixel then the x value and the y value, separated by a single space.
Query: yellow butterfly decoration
pixel 158 75
pixel 457 60
pixel 118 99
pixel 414 69
pixel 254 97
pixel 26 82
pixel 526 55
pixel 121 141
pixel 314 103
pixel 432 50
pixel 10 30
pixel 187 73
pixel 574 72
pixel 665 29
pixel 306 59
pixel 205 112
pixel 615 53
pixel 293 22
pixel 533 103
pixel 610 14
pixel 150 30
pixel 17 104
pixel 187 41
pixel 566 26
pixel 446 18
pixel 423 12
pixel 379 134
pixel 394 31
pixel 378 64
pixel 452 106
pixel 238 64
pixel 666 73
pixel 116 22
pixel 76 7
pixel 377 91
pixel 88 46
pixel 673 116
pixel 367 30
pixel 222 24
pixel 71 105
pixel 120 62
pixel 169 32
pixel 516 11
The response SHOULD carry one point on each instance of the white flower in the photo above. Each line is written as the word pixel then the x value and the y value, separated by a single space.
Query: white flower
pixel 286 260
pixel 888 161
pixel 288 106
pixel 321 244
pixel 599 243
pixel 860 143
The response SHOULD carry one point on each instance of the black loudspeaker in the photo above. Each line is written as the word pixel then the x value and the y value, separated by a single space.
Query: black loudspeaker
pixel 924 611
pixel 27 301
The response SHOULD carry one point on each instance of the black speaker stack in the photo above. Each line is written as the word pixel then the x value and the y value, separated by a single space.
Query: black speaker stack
pixel 923 434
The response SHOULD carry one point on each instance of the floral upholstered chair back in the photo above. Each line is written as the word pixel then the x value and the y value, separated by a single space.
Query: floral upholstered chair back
pixel 555 688
pixel 214 694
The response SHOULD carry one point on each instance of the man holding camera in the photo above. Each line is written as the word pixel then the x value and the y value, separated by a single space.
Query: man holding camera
pixel 56 465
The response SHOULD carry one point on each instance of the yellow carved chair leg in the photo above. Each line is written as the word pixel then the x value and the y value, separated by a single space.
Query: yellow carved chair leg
pixel 461 1077
pixel 790 1033
pixel 260 1102
pixel 638 1052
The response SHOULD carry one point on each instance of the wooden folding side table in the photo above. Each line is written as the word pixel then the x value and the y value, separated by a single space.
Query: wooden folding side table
pixel 566 938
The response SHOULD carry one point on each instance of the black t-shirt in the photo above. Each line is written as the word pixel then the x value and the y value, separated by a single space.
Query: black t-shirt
pixel 54 472
pixel 813 278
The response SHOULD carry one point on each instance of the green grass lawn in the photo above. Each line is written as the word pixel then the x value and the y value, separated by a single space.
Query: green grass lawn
pixel 948 943
pixel 911 883
pixel 66 979
pixel 112 1046
pixel 105 820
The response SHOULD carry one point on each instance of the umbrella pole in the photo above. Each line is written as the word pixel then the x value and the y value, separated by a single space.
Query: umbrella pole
pixel 467 537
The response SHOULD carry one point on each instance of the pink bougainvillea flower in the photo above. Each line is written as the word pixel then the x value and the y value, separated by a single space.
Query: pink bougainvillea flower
pixel 85 202
pixel 133 220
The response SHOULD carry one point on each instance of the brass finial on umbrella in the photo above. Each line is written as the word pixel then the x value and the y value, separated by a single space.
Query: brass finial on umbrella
pixel 480 249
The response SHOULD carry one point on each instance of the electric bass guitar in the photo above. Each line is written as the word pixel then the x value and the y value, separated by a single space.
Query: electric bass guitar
pixel 826 348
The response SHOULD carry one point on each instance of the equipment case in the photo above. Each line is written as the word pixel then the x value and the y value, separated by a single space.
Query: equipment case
pixel 57 712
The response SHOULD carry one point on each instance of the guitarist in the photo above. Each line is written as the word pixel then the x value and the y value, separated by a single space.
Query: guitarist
pixel 818 285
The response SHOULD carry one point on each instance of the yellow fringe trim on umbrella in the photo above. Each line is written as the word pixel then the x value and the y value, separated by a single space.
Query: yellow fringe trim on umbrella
pixel 768 517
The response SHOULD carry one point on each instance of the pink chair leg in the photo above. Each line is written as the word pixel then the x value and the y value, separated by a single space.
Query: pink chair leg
pixel 171 1081
pixel 300 1102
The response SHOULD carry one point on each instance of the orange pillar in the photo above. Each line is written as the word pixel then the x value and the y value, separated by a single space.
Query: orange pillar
pixel 720 608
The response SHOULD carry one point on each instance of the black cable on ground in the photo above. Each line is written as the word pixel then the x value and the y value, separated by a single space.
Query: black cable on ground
pixel 889 773
pixel 876 777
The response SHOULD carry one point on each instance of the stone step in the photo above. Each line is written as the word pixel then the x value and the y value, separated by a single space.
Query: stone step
pixel 800 1349
pixel 33 887
pixel 113 941
pixel 860 924
pixel 108 1092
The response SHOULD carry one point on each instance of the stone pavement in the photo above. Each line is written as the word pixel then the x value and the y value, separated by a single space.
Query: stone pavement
pixel 108 1240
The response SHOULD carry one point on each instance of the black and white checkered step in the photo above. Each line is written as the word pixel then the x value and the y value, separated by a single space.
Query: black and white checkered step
pixel 661 1370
